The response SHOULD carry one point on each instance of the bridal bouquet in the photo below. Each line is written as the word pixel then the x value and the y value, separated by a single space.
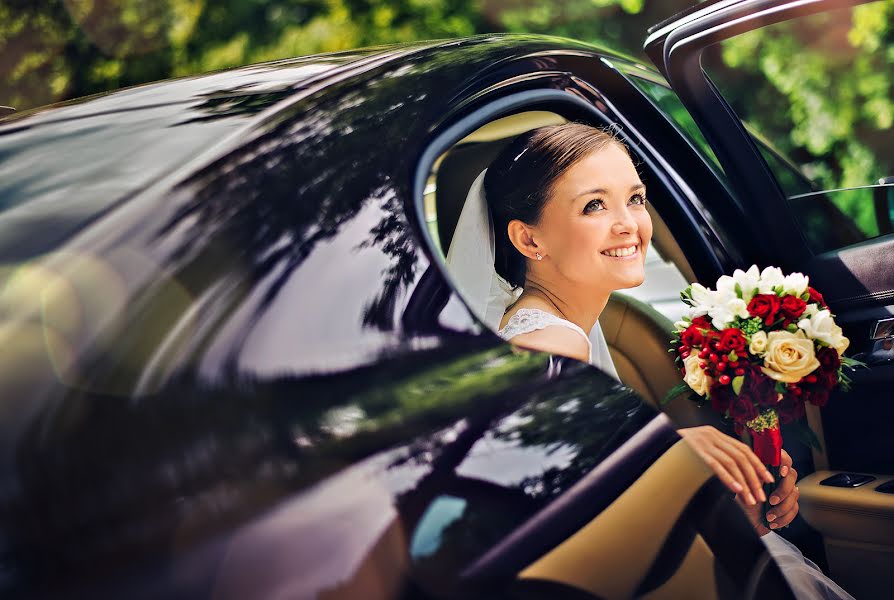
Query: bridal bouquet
pixel 758 348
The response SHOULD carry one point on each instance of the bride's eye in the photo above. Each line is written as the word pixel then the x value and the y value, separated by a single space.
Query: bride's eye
pixel 594 206
pixel 639 199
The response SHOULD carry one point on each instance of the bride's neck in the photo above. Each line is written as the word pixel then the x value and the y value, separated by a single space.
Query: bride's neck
pixel 579 304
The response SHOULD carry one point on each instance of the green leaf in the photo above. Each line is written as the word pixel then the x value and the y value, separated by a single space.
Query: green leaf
pixel 739 293
pixel 853 363
pixel 804 433
pixel 737 383
pixel 675 391
pixel 733 356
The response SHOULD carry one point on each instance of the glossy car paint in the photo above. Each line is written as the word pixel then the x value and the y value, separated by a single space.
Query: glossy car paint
pixel 237 366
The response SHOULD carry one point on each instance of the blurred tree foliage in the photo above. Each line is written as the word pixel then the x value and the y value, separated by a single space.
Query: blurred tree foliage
pixel 52 50
pixel 819 90
pixel 821 94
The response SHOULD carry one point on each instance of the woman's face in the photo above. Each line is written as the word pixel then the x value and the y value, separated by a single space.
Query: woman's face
pixel 595 227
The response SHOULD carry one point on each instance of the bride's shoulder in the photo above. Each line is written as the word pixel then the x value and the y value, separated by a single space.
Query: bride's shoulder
pixel 527 306
pixel 531 326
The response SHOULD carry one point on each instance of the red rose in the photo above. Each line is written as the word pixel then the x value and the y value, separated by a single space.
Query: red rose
pixel 790 409
pixel 764 306
pixel 793 307
pixel 759 388
pixel 702 322
pixel 712 336
pixel 816 297
pixel 829 360
pixel 731 340
pixel 692 337
pixel 742 410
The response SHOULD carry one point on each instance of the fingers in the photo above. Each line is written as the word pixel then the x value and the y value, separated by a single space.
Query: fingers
pixel 785 463
pixel 728 460
pixel 754 470
pixel 786 485
pixel 783 514
pixel 723 475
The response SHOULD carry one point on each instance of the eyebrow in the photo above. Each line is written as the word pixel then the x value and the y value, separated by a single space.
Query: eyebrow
pixel 638 186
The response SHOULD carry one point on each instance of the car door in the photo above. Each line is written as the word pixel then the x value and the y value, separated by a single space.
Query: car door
pixel 798 73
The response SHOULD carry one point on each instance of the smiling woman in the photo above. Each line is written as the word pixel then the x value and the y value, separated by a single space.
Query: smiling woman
pixel 570 228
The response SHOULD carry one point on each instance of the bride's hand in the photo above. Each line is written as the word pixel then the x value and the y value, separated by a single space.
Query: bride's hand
pixel 734 463
pixel 784 500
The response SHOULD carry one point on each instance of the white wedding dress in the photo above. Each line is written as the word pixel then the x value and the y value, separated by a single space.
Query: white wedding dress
pixel 470 261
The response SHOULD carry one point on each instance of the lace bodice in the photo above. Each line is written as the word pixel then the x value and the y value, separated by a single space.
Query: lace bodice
pixel 526 320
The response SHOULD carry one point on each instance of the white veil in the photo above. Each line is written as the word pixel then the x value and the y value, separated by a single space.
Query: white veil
pixel 470 261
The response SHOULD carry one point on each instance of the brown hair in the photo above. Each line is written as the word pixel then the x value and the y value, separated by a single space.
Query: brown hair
pixel 519 182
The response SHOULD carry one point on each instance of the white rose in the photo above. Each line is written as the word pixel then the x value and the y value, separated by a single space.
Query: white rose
pixel 695 376
pixel 771 277
pixel 758 345
pixel 796 284
pixel 821 326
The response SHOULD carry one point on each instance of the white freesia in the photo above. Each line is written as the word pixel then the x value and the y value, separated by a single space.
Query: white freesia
pixel 822 327
pixel 726 308
pixel 695 377
pixel 811 310
pixel 748 281
pixel 702 298
pixel 681 325
pixel 795 283
pixel 771 277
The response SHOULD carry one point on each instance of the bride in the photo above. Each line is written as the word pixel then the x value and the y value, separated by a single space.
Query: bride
pixel 569 227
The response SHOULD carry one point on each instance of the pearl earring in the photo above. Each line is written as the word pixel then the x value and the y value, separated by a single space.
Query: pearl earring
pixel 538 255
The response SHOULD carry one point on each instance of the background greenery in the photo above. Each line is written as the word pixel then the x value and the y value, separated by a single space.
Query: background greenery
pixel 819 93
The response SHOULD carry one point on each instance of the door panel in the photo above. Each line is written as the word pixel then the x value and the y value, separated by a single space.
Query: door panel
pixel 837 231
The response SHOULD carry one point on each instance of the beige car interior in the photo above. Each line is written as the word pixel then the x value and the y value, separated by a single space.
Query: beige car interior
pixel 857 524
pixel 584 558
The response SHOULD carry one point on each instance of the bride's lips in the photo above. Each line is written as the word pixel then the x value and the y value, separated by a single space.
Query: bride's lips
pixel 622 252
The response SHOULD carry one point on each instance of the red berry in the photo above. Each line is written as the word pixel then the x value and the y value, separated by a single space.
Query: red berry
pixel 685 354
pixel 703 366
pixel 721 366
pixel 713 358
pixel 740 372
pixel 724 380
pixel 704 353
pixel 810 379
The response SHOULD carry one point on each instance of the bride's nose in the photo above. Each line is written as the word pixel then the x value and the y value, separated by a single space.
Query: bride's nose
pixel 624 223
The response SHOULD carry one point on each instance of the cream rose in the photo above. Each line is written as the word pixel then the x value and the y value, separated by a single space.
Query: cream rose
pixel 758 345
pixel 789 356
pixel 695 376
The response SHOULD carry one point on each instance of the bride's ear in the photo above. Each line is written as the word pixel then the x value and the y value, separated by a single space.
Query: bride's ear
pixel 522 237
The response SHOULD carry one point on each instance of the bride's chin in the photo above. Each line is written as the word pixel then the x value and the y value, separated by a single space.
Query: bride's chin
pixel 631 282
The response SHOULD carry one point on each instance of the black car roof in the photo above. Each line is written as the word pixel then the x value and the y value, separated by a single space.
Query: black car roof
pixel 62 166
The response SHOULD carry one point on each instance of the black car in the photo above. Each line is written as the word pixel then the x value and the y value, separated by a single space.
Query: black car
pixel 235 365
